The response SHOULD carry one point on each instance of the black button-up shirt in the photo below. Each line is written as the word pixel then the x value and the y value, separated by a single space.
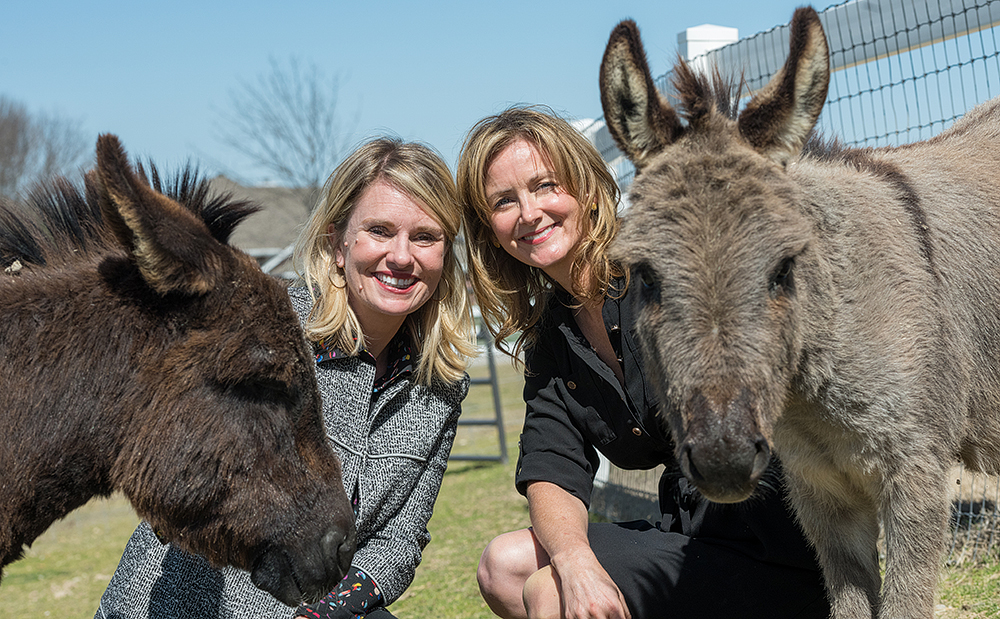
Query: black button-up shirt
pixel 575 404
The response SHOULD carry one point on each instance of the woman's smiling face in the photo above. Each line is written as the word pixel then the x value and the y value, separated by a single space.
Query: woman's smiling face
pixel 533 217
pixel 392 254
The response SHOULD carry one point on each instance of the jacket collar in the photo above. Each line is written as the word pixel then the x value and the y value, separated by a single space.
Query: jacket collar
pixel 400 363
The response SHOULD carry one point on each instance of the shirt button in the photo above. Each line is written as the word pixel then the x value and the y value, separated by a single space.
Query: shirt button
pixel 614 328
pixel 637 431
pixel 571 385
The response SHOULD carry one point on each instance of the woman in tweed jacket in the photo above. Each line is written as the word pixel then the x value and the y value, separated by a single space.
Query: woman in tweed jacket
pixel 392 330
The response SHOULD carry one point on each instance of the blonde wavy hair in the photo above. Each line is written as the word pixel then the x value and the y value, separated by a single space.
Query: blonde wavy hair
pixel 442 329
pixel 512 295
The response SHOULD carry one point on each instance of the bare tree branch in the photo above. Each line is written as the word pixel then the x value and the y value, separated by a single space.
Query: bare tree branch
pixel 61 145
pixel 287 123
pixel 15 145
pixel 34 147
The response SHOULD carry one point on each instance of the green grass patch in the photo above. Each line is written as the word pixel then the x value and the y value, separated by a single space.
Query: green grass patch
pixel 970 591
pixel 477 502
pixel 67 569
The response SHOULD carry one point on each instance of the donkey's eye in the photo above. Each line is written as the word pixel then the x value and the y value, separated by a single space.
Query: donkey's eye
pixel 645 277
pixel 649 286
pixel 262 390
pixel 781 279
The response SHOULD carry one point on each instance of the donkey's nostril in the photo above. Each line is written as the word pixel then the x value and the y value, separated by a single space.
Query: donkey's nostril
pixel 761 459
pixel 331 542
pixel 338 547
pixel 346 554
pixel 688 467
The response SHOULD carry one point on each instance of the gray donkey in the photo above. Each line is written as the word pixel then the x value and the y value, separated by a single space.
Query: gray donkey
pixel 839 306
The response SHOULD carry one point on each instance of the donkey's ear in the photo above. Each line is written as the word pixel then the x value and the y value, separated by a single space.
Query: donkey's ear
pixel 173 249
pixel 638 117
pixel 777 121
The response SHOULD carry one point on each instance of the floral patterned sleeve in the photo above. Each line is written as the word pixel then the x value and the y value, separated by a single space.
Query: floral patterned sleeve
pixel 355 596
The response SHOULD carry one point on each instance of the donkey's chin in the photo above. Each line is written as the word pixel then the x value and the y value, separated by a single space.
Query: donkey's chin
pixel 728 480
pixel 294 576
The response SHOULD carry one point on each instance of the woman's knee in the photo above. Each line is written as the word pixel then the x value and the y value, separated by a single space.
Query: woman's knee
pixel 505 565
pixel 508 556
pixel 488 567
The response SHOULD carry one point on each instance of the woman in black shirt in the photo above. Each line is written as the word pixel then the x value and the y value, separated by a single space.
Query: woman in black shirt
pixel 541 211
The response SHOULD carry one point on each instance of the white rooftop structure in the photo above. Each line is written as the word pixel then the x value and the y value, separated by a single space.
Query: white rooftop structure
pixel 700 40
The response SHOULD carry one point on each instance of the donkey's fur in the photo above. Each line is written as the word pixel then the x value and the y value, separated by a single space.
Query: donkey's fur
pixel 142 354
pixel 841 306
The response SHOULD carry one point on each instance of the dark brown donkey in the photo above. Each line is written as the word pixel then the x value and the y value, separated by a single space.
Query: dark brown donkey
pixel 142 354
pixel 841 306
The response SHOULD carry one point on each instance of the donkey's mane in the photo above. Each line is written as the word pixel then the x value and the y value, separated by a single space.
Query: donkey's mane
pixel 61 220
pixel 700 92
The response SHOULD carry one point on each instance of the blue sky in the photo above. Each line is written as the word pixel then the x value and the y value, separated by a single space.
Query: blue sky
pixel 160 74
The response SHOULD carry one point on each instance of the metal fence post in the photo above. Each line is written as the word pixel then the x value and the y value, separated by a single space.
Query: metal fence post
pixel 497 420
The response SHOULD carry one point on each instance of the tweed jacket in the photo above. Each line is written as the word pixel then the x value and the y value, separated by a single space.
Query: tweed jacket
pixel 394 448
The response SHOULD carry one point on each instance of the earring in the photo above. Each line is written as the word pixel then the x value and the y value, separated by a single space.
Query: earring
pixel 496 244
pixel 594 208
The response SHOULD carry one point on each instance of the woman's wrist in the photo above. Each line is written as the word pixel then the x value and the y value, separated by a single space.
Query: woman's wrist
pixel 572 556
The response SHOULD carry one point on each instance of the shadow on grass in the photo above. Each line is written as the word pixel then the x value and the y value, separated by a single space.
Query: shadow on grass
pixel 459 467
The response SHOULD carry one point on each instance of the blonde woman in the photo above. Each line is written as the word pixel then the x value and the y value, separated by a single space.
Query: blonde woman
pixel 386 309
pixel 540 214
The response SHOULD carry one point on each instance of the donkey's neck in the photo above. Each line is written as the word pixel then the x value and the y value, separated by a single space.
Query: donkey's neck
pixel 67 408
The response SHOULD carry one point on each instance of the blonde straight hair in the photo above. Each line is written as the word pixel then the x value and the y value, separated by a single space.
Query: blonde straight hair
pixel 512 295
pixel 442 329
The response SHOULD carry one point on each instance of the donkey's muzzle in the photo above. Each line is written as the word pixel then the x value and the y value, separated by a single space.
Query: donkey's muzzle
pixel 723 454
pixel 305 573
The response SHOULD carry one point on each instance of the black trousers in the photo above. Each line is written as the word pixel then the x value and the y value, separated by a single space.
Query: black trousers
pixel 665 574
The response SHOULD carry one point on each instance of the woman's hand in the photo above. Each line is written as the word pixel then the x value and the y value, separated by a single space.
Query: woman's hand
pixel 574 581
pixel 586 591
